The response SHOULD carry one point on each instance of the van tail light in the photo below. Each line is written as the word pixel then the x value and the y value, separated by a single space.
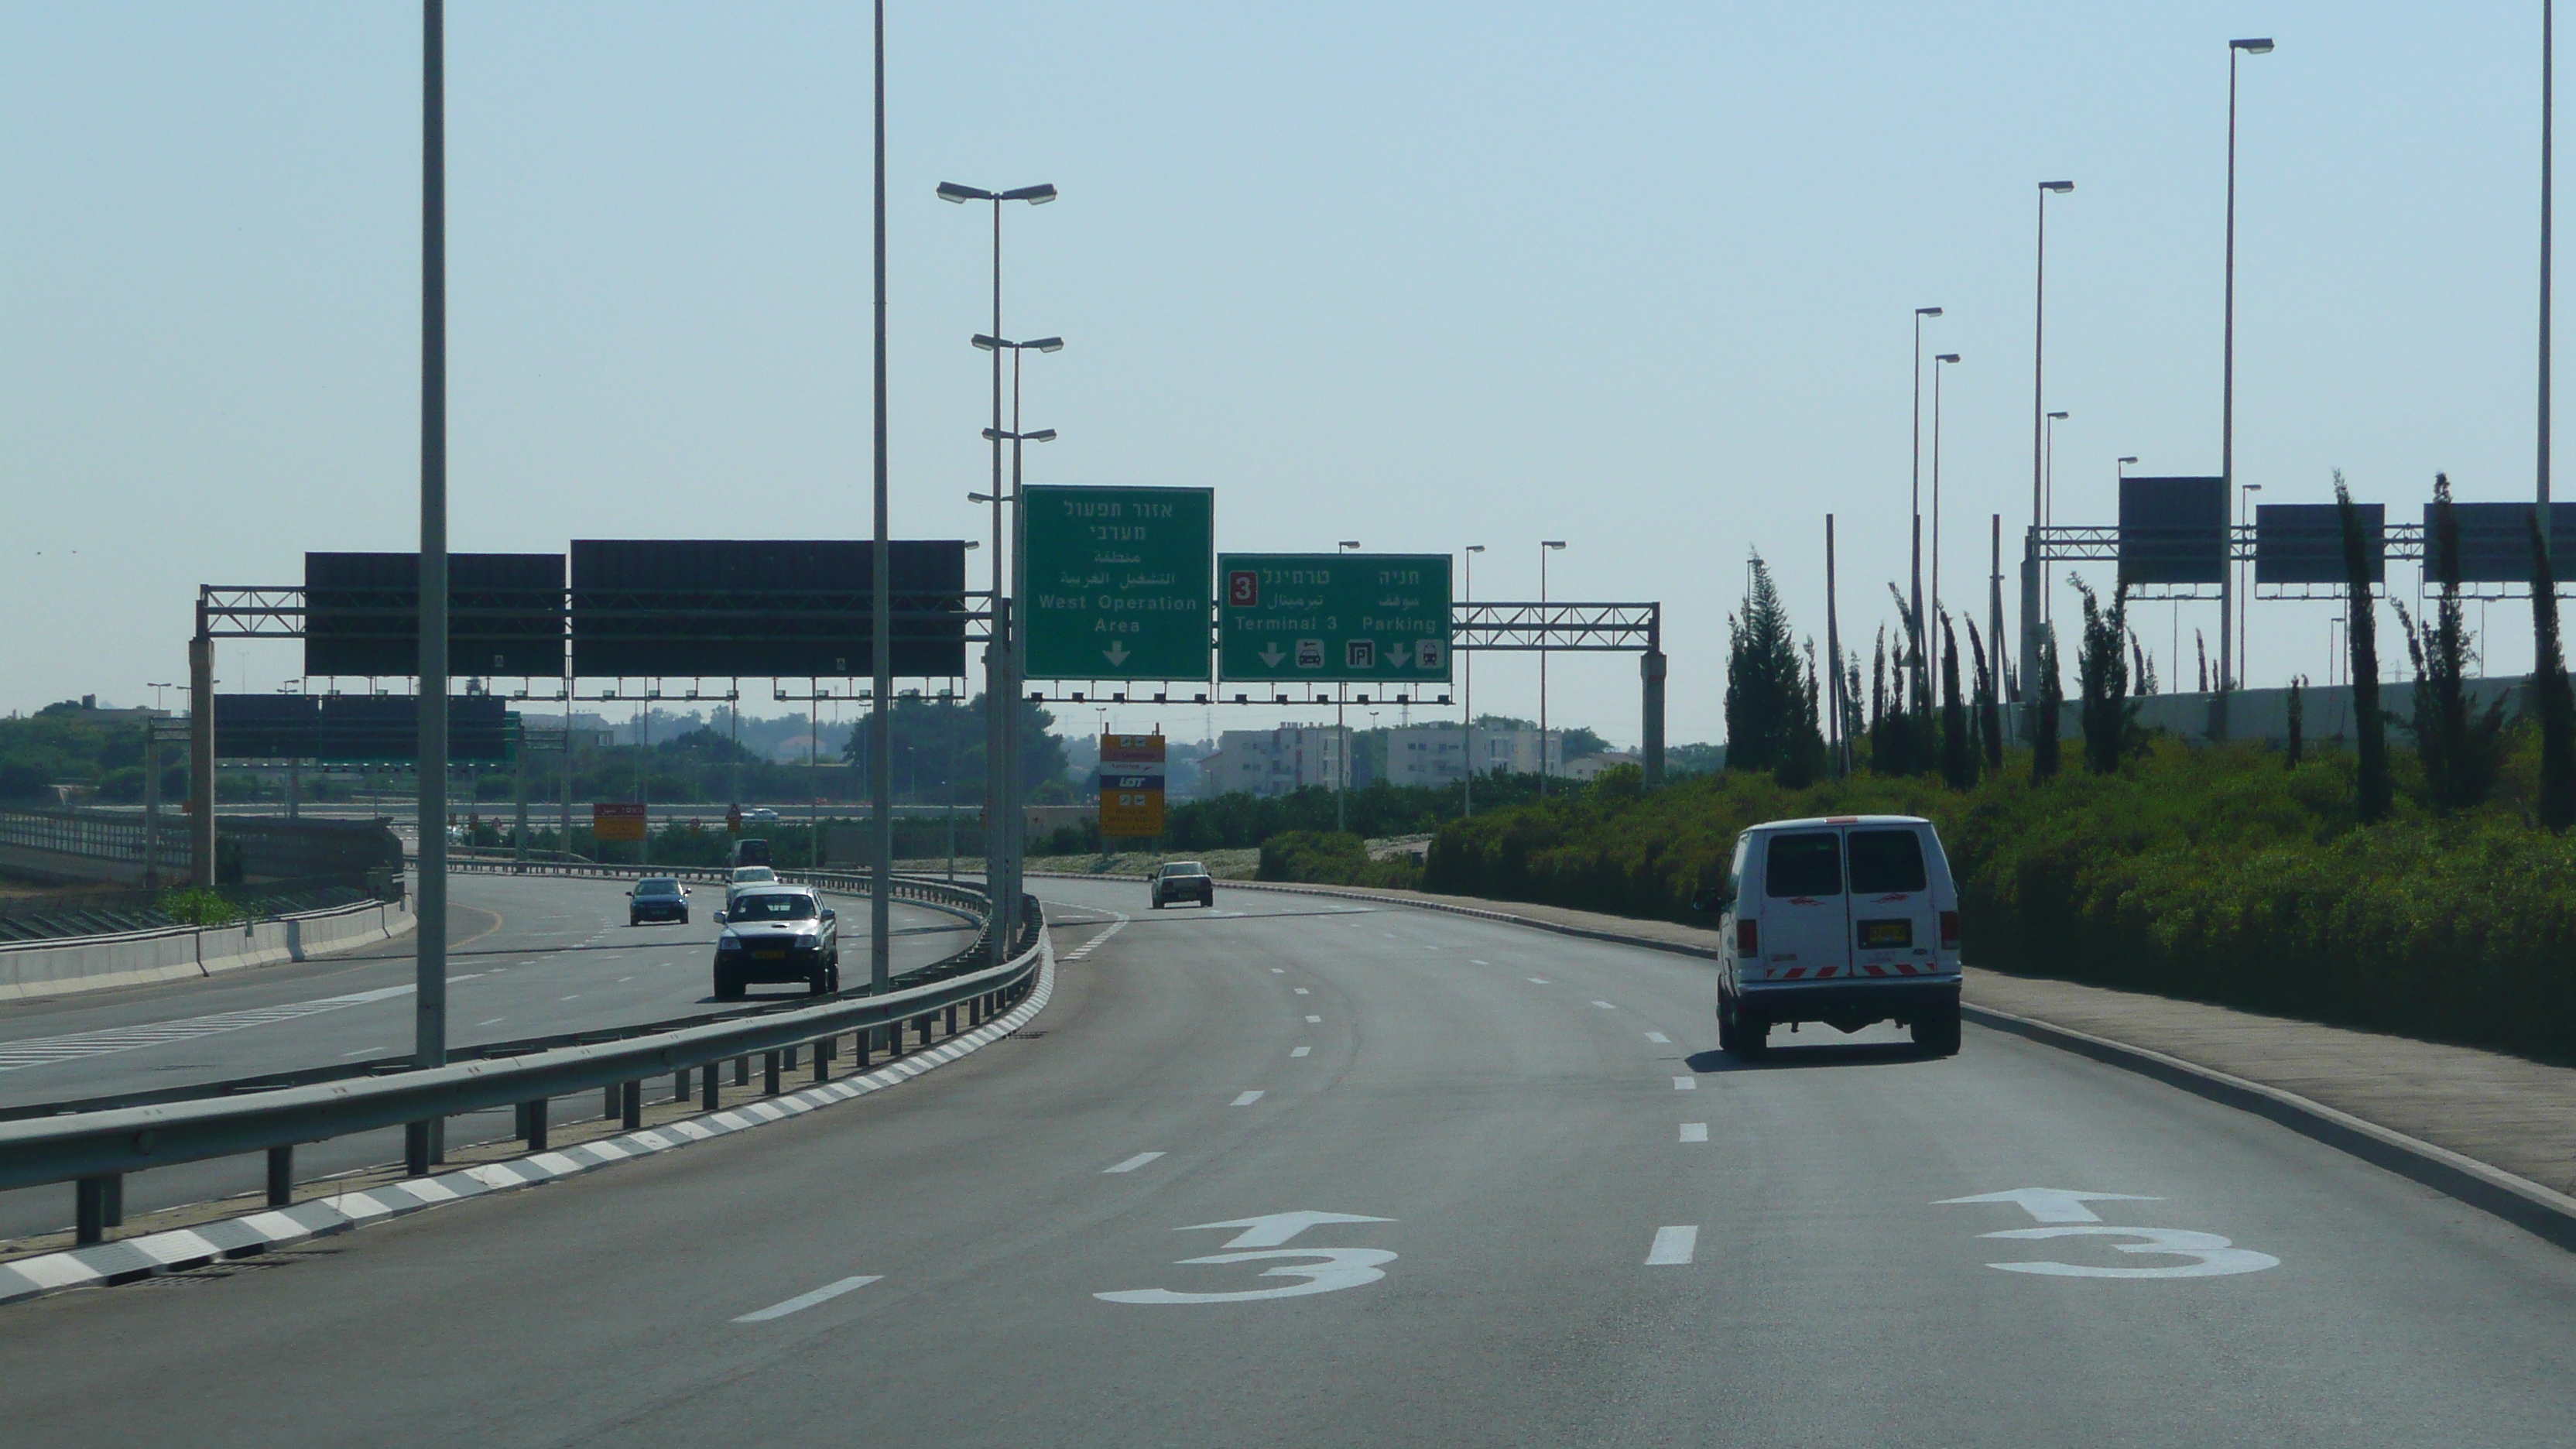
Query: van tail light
pixel 1748 939
pixel 1949 930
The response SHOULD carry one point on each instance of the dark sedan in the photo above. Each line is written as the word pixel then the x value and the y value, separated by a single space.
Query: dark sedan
pixel 658 899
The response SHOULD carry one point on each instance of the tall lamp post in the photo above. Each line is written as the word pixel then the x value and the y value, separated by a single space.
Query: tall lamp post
pixel 2548 76
pixel 1946 357
pixel 1001 692
pixel 1546 547
pixel 2030 565
pixel 1467 790
pixel 2227 385
pixel 1915 503
pixel 421 1140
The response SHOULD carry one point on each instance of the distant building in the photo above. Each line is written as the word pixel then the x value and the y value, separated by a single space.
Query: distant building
pixel 1590 767
pixel 1278 761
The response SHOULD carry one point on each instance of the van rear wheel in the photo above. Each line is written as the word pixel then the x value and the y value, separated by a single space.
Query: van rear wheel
pixel 1938 1035
pixel 1740 1035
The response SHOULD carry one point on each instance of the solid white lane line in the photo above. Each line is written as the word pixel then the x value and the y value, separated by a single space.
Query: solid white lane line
pixel 803 1301
pixel 1301 1051
pixel 1313 1019
pixel 1672 1246
pixel 1606 1006
pixel 1694 1132
pixel 1247 1099
pixel 1685 1084
pixel 1131 1164
pixel 1658 1036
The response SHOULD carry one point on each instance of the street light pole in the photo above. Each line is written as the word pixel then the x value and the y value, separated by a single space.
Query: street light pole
pixel 1001 690
pixel 1546 547
pixel 2548 69
pixel 881 571
pixel 2227 386
pixel 1950 357
pixel 1915 505
pixel 2047 519
pixel 1467 790
pixel 2030 565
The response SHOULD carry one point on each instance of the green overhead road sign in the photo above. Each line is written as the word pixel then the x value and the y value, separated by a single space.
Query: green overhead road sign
pixel 1378 618
pixel 1116 583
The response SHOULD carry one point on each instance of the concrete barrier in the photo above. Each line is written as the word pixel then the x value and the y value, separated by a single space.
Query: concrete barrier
pixel 177 953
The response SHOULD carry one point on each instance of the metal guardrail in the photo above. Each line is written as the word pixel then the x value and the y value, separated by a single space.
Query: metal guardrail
pixel 94 1146
pixel 921 890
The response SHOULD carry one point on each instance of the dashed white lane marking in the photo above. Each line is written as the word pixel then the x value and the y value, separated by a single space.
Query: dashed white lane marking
pixel 496 1021
pixel 803 1301
pixel 1672 1246
pixel 1301 991
pixel 1247 1099
pixel 1301 1051
pixel 576 996
pixel 625 978
pixel 1658 1036
pixel 1278 970
pixel 1685 1084
pixel 1087 947
pixel 1694 1132
pixel 1472 961
pixel 1131 1164
pixel 1606 1005
pixel 362 1051
pixel 1313 1019
pixel 1538 981
pixel 45 1050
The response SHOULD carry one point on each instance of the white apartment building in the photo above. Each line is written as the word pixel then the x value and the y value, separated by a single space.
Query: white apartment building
pixel 1437 754
pixel 1278 761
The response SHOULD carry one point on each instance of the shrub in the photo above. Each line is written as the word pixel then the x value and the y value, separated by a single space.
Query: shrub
pixel 1325 857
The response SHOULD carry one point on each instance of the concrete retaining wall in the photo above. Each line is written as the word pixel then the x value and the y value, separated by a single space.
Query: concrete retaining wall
pixel 175 953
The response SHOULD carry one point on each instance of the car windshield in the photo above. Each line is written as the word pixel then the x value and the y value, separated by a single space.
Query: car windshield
pixel 1184 867
pixel 755 872
pixel 774 907
pixel 657 888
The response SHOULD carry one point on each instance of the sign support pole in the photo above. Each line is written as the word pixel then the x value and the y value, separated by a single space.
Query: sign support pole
pixel 421 1145
pixel 880 743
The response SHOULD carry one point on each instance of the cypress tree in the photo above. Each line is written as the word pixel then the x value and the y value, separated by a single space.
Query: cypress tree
pixel 2052 700
pixel 1958 753
pixel 1762 677
pixel 2298 711
pixel 2551 696
pixel 2370 727
pixel 1990 713
pixel 2102 670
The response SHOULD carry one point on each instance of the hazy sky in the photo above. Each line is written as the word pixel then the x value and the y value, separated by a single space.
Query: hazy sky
pixel 1635 276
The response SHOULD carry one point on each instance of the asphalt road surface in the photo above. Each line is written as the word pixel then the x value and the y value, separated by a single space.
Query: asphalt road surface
pixel 528 956
pixel 1302 1172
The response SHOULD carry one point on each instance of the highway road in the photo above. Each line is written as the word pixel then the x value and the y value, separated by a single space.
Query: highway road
pixel 1305 1172
pixel 529 956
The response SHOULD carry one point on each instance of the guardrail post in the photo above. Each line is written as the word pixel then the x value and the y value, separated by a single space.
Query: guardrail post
pixel 742 1071
pixel 680 1086
pixel 823 1060
pixel 707 1088
pixel 893 1038
pixel 924 1023
pixel 952 1021
pixel 533 1123
pixel 281 1176
pixel 611 1101
pixel 769 1074
pixel 791 1059
pixel 630 1111
pixel 89 1214
pixel 420 1147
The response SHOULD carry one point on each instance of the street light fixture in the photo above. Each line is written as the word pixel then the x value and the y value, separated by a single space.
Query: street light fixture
pixel 2227 387
pixel 1915 503
pixel 1346 545
pixel 1007 653
pixel 1546 547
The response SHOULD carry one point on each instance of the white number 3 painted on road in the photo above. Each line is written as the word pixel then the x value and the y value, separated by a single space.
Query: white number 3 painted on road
pixel 2212 1255
pixel 1340 1268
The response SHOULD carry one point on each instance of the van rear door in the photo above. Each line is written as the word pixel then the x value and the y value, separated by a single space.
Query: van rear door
pixel 1896 931
pixel 1805 922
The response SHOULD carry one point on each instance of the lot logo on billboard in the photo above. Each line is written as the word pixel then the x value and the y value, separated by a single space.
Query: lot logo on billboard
pixel 1131 786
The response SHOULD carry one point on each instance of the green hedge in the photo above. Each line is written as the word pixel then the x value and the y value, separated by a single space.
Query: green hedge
pixel 2209 873
pixel 1325 857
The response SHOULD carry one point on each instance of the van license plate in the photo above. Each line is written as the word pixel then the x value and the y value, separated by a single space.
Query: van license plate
pixel 770 955
pixel 1886 935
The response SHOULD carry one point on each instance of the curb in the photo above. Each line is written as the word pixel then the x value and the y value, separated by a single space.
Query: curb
pixel 2540 1210
pixel 127 1259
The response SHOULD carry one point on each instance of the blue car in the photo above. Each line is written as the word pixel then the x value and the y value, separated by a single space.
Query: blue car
pixel 657 899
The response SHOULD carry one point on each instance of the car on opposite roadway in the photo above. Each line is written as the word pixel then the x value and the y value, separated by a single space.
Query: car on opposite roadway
pixel 657 898
pixel 777 933
pixel 747 875
pixel 1181 880
pixel 761 814
pixel 1847 920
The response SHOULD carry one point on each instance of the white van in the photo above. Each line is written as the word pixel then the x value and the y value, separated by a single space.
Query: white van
pixel 1847 920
